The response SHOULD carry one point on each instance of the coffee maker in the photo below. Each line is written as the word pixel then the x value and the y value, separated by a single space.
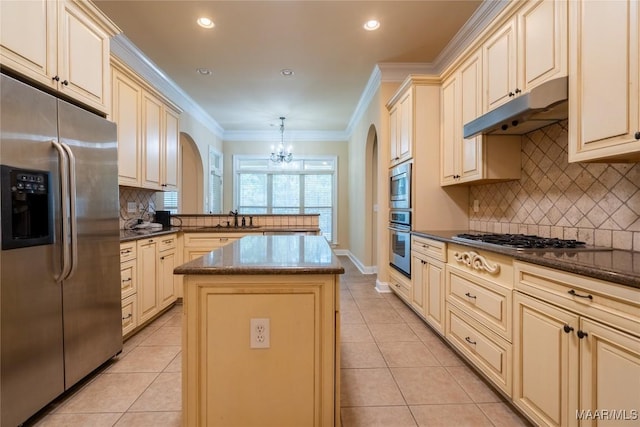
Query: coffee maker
pixel 164 218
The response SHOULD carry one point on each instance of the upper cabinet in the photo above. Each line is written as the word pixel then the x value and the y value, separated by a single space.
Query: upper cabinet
pixel 62 44
pixel 526 51
pixel 401 127
pixel 604 99
pixel 148 129
pixel 481 158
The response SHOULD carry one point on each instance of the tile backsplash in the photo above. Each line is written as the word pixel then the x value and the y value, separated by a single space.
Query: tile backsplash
pixel 594 202
pixel 139 196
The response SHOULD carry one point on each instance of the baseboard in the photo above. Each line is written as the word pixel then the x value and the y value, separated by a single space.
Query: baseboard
pixel 363 269
pixel 383 287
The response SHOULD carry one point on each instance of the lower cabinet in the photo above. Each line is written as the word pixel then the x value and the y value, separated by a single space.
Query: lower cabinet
pixel 427 270
pixel 576 349
pixel 147 279
pixel 199 244
pixel 289 379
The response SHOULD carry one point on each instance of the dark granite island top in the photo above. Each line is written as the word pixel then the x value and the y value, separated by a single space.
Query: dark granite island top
pixel 287 254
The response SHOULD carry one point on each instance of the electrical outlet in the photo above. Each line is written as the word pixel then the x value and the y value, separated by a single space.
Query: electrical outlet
pixel 260 333
pixel 476 206
pixel 132 207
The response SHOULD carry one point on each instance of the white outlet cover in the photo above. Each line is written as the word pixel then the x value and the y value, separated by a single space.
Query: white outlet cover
pixel 132 207
pixel 260 333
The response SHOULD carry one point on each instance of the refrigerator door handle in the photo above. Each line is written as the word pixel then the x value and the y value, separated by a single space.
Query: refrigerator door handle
pixel 72 209
pixel 64 191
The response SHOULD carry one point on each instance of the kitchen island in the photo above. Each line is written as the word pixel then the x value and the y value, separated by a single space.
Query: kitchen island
pixel 260 334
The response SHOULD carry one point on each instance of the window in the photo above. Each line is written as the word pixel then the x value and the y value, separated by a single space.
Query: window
pixel 170 201
pixel 307 185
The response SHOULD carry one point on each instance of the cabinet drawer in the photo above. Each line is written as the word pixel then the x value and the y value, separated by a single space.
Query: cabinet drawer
pixel 616 305
pixel 127 251
pixel 210 240
pixel 128 278
pixel 428 247
pixel 166 242
pixel 488 352
pixel 129 314
pixel 485 265
pixel 401 286
pixel 485 301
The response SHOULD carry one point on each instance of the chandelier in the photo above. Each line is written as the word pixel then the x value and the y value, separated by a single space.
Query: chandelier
pixel 282 155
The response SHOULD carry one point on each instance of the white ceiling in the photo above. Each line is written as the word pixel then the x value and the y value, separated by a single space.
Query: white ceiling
pixel 323 42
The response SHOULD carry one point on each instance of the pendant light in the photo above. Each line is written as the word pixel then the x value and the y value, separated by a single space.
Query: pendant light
pixel 282 155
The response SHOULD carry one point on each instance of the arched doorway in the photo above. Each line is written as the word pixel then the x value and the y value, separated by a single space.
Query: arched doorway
pixel 371 198
pixel 192 193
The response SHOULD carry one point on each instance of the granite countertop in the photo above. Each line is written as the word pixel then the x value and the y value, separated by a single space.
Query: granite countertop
pixel 128 235
pixel 268 255
pixel 616 266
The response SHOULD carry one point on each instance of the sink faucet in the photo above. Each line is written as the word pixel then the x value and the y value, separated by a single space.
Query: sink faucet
pixel 235 217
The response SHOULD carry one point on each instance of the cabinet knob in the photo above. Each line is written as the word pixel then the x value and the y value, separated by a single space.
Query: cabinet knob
pixel 511 94
pixel 581 334
pixel 65 82
pixel 518 91
pixel 567 328
pixel 55 78
pixel 637 135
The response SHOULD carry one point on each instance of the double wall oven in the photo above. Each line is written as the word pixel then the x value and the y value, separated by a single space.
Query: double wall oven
pixel 400 218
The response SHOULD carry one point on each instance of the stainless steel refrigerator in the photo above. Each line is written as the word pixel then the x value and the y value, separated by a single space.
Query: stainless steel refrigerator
pixel 60 309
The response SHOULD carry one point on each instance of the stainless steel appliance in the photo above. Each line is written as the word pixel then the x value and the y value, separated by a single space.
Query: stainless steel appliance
pixel 526 242
pixel 400 186
pixel 400 241
pixel 60 277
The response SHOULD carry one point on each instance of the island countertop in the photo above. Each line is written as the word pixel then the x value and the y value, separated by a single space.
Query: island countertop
pixel 288 254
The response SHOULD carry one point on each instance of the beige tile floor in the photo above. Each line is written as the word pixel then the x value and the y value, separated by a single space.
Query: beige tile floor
pixel 394 372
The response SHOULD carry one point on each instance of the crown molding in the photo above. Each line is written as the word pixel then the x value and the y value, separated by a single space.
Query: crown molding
pixel 470 31
pixel 292 136
pixel 129 53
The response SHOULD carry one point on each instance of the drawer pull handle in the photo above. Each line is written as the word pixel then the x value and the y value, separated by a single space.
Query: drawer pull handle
pixel 126 280
pixel 167 241
pixel 581 334
pixel 567 328
pixel 575 294
pixel 224 239
pixel 467 339
pixel 470 296
pixel 476 261
pixel 126 251
pixel 129 316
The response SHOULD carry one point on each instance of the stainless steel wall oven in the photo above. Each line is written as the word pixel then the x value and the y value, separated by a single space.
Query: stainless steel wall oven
pixel 400 187
pixel 400 241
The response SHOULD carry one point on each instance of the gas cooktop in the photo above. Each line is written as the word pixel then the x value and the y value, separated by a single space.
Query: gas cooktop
pixel 526 242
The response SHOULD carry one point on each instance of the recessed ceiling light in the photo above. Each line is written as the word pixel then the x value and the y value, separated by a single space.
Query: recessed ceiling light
pixel 287 72
pixel 204 71
pixel 371 25
pixel 205 22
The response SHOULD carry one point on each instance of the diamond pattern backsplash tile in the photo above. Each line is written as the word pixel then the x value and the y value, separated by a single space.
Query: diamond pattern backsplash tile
pixel 595 202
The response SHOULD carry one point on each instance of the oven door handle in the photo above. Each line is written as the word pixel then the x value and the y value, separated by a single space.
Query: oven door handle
pixel 400 228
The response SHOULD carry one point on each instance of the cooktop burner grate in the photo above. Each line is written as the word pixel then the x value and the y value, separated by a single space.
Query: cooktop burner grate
pixel 522 241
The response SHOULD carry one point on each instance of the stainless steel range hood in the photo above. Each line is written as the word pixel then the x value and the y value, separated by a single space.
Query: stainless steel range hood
pixel 542 106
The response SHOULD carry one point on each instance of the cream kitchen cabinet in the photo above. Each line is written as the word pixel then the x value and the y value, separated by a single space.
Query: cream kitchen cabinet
pixel 148 132
pixel 62 44
pixel 479 311
pixel 576 347
pixel 527 50
pixel 604 106
pixel 126 112
pixel 401 285
pixel 482 158
pixel 400 127
pixel 156 259
pixel 427 276
pixel 128 284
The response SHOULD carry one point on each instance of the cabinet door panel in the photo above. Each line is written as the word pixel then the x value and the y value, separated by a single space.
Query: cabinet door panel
pixel 500 66
pixel 450 132
pixel 170 152
pixel 471 95
pixel 434 309
pixel 126 113
pixel 610 375
pixel 545 362
pixel 152 119
pixel 28 38
pixel 166 286
pixel 147 281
